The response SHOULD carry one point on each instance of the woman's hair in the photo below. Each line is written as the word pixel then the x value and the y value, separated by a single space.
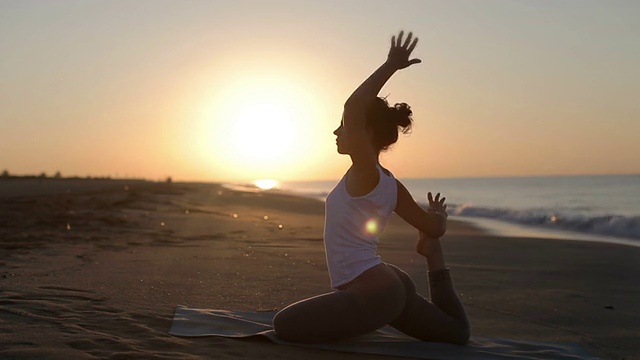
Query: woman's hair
pixel 385 121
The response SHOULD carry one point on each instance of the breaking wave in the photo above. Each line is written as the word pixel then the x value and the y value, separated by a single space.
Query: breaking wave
pixel 605 224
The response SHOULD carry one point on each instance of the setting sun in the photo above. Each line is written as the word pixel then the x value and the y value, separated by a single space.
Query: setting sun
pixel 262 131
pixel 264 124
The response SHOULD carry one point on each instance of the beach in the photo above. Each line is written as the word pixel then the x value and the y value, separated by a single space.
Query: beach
pixel 95 270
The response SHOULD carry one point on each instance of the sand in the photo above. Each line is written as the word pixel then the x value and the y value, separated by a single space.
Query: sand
pixel 96 271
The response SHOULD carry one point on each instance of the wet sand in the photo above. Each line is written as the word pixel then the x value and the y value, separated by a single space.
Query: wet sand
pixel 92 271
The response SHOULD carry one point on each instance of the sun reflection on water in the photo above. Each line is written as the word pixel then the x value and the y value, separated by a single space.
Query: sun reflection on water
pixel 266 184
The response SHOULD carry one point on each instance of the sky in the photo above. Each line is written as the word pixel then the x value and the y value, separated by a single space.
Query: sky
pixel 244 90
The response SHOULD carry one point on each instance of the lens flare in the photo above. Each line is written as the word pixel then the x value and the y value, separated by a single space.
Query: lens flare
pixel 372 226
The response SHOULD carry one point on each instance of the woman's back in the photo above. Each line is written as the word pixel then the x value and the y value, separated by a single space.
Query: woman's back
pixel 352 225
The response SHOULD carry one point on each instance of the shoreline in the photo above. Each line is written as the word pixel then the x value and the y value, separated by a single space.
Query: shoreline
pixel 491 226
pixel 580 207
pixel 502 228
pixel 31 186
pixel 98 274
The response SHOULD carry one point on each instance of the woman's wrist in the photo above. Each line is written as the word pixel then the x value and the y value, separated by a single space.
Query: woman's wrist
pixel 389 66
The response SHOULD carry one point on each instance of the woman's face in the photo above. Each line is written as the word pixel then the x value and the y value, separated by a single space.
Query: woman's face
pixel 344 140
pixel 341 138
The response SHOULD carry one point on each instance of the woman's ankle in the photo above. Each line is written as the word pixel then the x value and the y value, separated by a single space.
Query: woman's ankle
pixel 431 249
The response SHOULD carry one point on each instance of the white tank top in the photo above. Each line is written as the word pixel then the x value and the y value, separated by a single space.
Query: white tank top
pixel 352 225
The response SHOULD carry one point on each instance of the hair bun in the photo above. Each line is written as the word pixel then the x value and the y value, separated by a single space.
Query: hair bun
pixel 402 116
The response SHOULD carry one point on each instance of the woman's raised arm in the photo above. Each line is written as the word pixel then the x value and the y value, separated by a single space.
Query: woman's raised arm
pixel 397 59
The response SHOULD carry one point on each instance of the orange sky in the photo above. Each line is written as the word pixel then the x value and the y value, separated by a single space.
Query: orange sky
pixel 228 91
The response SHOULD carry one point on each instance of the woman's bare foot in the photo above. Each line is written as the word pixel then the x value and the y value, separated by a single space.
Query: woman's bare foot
pixel 431 249
pixel 427 246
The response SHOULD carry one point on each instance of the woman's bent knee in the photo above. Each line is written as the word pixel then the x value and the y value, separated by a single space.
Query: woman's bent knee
pixel 462 335
pixel 283 326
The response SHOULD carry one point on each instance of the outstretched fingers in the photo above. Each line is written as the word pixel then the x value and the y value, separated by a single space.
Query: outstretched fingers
pixel 437 203
pixel 407 42
pixel 441 202
pixel 401 49
pixel 413 45
pixel 432 200
pixel 399 42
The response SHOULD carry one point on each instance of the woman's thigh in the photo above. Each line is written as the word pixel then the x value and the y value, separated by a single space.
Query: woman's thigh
pixel 368 303
pixel 320 318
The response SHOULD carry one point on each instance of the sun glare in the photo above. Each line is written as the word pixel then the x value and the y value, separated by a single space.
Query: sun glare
pixel 263 126
pixel 266 184
pixel 262 131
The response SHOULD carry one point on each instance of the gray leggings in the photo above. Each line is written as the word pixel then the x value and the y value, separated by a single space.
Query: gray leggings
pixel 382 295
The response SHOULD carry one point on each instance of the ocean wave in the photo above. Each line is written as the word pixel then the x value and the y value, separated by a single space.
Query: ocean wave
pixel 606 224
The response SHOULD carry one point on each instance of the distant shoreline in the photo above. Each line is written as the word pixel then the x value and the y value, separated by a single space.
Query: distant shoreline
pixel 24 186
pixel 31 186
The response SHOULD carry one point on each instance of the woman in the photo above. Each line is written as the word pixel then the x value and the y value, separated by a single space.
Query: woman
pixel 369 293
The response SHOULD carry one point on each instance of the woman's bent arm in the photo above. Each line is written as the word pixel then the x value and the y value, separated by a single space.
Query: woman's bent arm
pixel 432 223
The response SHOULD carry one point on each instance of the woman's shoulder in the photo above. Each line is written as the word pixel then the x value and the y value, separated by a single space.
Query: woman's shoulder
pixel 385 171
pixel 380 179
pixel 360 182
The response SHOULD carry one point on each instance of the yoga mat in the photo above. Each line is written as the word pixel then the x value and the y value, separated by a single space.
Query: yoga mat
pixel 191 322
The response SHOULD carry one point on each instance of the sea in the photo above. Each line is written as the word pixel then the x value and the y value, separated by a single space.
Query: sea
pixel 604 208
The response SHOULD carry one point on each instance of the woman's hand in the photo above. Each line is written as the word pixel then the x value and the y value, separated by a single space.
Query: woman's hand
pixel 436 204
pixel 437 213
pixel 400 51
